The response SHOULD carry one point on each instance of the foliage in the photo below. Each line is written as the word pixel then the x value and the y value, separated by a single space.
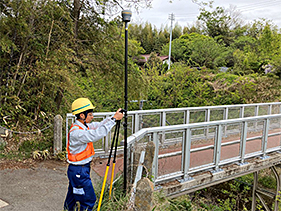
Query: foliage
pixel 180 50
pixel 187 87
pixel 267 179
pixel 215 22
pixel 207 52
pixel 154 65
pixel 51 55
pixel 231 195
pixel 180 204
pixel 49 59
pixel 52 52
pixel 41 154
pixel 149 37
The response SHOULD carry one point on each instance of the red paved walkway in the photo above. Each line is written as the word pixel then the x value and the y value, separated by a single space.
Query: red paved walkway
pixel 173 164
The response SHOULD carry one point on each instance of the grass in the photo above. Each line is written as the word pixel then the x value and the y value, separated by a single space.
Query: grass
pixel 121 202
pixel 118 201
pixel 22 146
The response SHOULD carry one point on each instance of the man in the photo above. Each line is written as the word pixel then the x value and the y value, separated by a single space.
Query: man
pixel 80 152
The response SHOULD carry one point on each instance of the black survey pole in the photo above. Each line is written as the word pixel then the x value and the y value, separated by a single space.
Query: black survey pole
pixel 126 17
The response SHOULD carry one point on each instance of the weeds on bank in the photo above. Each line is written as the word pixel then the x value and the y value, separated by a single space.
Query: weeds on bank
pixel 24 146
pixel 161 202
pixel 121 202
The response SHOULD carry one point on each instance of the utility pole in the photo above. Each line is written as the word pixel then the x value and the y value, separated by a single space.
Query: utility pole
pixel 172 18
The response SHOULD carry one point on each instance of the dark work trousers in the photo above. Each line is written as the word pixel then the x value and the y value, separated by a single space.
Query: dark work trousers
pixel 80 188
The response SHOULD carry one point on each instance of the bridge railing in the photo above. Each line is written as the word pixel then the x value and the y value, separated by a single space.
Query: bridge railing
pixel 254 136
pixel 141 119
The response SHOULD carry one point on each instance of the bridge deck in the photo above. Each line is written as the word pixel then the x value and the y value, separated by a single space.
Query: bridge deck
pixel 206 179
pixel 203 179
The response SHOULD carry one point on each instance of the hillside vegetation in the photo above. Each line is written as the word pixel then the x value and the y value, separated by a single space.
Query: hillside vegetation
pixel 54 51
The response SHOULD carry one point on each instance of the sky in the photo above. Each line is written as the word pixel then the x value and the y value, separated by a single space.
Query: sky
pixel 186 12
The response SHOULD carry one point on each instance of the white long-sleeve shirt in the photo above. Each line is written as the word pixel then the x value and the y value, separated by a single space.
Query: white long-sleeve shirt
pixel 78 138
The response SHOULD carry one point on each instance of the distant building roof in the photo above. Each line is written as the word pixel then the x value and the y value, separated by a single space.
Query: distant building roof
pixel 163 58
pixel 143 58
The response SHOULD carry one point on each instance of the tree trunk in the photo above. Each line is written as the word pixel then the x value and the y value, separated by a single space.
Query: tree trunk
pixel 76 15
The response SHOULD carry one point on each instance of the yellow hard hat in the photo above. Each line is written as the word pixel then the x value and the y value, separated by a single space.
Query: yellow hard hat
pixel 80 105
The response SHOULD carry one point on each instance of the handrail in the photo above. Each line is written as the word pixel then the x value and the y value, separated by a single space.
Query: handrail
pixel 217 163
pixel 136 118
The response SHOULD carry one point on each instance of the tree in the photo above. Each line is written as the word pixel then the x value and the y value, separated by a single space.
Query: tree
pixel 215 22
pixel 49 57
pixel 221 23
pixel 197 50
pixel 179 50
pixel 177 31
pixel 162 39
pixel 207 52
pixel 154 65
pixel 150 38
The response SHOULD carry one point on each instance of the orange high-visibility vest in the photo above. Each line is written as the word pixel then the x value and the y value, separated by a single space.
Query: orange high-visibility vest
pixel 86 153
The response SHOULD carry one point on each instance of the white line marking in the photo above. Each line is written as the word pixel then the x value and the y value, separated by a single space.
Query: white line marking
pixel 3 204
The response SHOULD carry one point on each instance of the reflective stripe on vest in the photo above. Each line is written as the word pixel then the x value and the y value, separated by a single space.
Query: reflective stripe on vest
pixel 86 153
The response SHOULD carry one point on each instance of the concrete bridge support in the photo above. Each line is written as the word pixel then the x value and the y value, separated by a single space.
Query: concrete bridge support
pixel 259 193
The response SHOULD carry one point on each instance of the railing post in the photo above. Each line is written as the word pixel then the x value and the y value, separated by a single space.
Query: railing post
pixel 225 117
pixel 243 142
pixel 163 119
pixel 106 141
pixel 137 123
pixel 186 153
pixel 66 130
pixel 265 138
pixel 155 160
pixel 67 125
pixel 279 113
pixel 242 109
pixel 131 161
pixel 207 118
pixel 257 110
pixel 207 115
pixel 256 114
pixel 217 148
pixel 269 109
pixel 163 123
pixel 187 116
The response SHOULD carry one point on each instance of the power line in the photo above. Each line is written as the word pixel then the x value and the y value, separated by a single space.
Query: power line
pixel 245 8
pixel 192 16
pixel 259 4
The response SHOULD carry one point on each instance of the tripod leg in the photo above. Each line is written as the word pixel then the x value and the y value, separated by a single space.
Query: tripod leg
pixel 103 186
pixel 114 159
pixel 107 167
pixel 111 181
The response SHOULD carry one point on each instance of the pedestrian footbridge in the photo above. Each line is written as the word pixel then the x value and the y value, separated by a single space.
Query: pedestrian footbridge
pixel 199 147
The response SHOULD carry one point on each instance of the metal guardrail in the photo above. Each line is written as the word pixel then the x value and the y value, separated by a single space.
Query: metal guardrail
pixel 269 126
pixel 140 119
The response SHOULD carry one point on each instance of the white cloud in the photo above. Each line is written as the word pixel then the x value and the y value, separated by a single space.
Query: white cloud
pixel 186 11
